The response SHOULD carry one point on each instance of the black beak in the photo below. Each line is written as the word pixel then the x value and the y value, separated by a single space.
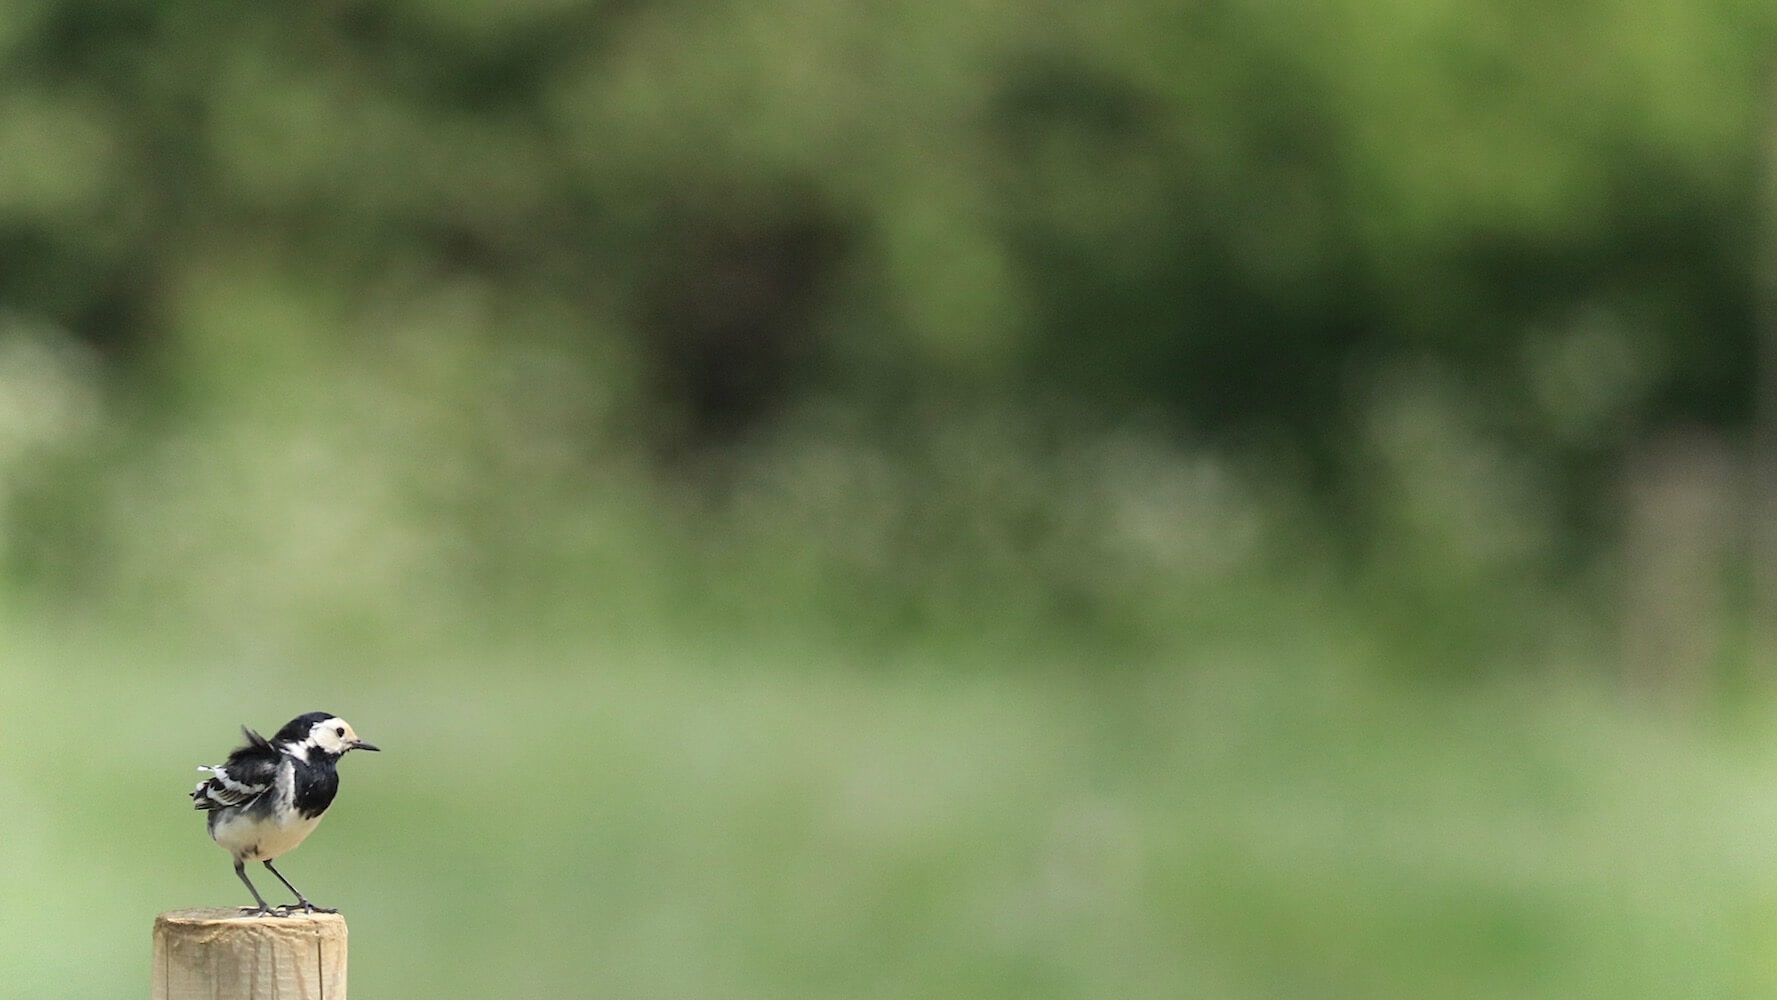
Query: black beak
pixel 361 745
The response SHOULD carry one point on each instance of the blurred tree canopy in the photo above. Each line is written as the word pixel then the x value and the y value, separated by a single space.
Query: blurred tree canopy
pixel 1352 244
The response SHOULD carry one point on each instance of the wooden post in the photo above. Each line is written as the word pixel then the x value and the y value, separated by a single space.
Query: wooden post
pixel 224 955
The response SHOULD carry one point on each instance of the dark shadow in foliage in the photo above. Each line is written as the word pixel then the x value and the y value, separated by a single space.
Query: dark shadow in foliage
pixel 1172 310
pixel 728 315
pixel 476 71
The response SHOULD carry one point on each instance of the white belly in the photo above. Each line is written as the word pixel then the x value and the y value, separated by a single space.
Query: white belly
pixel 262 839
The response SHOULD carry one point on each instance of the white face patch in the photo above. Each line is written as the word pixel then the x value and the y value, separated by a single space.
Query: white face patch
pixel 333 736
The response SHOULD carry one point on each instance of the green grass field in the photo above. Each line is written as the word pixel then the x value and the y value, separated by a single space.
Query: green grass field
pixel 688 820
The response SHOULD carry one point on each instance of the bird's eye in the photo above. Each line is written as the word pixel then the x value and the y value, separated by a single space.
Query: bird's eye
pixel 339 730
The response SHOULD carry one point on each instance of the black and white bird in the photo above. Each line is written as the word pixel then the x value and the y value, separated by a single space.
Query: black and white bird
pixel 271 794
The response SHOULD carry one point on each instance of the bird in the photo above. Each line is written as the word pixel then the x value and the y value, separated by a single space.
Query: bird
pixel 271 794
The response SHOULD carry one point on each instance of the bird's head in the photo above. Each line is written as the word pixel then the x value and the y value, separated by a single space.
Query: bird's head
pixel 322 731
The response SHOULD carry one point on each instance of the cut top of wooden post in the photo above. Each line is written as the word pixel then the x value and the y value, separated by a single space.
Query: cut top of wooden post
pixel 226 955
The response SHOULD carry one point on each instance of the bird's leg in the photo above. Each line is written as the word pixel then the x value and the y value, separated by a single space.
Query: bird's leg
pixel 301 900
pixel 264 910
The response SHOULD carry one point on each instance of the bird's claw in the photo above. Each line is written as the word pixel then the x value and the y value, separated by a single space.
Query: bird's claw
pixel 306 907
pixel 262 911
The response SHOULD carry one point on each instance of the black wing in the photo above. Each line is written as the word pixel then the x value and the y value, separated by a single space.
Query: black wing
pixel 250 770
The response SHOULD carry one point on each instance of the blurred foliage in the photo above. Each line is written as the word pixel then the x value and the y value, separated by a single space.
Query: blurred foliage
pixel 1054 319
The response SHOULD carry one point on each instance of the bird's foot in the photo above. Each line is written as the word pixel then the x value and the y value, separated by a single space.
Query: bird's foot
pixel 261 911
pixel 306 907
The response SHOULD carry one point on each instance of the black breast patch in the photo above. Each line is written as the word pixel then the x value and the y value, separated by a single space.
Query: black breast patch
pixel 316 784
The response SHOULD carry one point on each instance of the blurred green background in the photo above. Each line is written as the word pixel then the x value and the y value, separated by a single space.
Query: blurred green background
pixel 1137 499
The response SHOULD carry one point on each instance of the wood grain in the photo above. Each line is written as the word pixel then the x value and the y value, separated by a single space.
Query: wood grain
pixel 224 955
